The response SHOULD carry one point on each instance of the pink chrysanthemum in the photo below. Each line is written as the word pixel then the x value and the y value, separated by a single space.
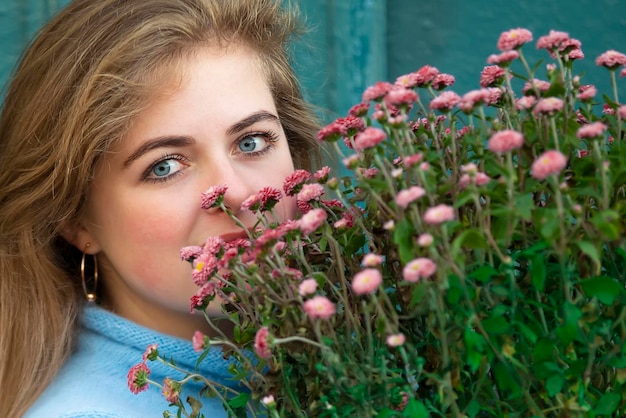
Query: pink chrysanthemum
pixel 171 390
pixel 576 54
pixel 321 175
pixel 359 109
pixel 505 141
pixel 441 81
pixel 549 163
pixel 405 197
pixel 472 99
pixel 622 73
pixel 503 59
pixel 592 130
pixel 319 307
pixel 251 203
pixel 203 266
pixel 270 196
pixel 352 124
pixel 199 341
pixel 205 293
pixel 479 179
pixel 307 287
pixel 311 191
pixel 372 260
pixel 425 240
pixel 586 92
pixel 396 340
pixel 138 378
pixel 400 97
pixel 366 281
pixel 151 353
pixel 621 111
pixel 611 59
pixel 331 132
pixel 262 344
pixel 419 268
pixel 312 220
pixel 190 252
pixel 293 182
pixel 541 85
pixel 548 106
pixel 445 101
pixel 514 39
pixel 377 91
pixel 425 75
pixel 369 138
pixel 213 196
pixel 552 41
pixel 439 214
pixel 526 102
pixel 492 75
pixel 413 159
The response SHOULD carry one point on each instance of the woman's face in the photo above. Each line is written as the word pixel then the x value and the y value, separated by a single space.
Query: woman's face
pixel 220 126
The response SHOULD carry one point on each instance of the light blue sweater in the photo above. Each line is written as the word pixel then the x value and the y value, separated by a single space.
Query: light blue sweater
pixel 93 383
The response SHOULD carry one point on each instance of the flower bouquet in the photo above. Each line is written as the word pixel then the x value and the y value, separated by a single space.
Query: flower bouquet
pixel 472 263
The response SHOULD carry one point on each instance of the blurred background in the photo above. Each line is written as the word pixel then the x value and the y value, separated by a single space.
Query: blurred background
pixel 354 43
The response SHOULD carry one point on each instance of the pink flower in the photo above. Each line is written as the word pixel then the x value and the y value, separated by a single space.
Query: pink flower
pixel 377 91
pixel 621 111
pixel 591 130
pixel 307 287
pixel 251 203
pixel 406 196
pixel 203 295
pixel 262 346
pixel 622 73
pixel 492 75
pixel 441 81
pixel 312 220
pixel 439 214
pixel 419 268
pixel 359 109
pixel 410 160
pixel 607 109
pixel 213 196
pixel 400 96
pixel 293 182
pixel 396 340
pixel 319 307
pixel 190 252
pixel 331 132
pixel 199 342
pixel 270 196
pixel 421 77
pixel 541 85
pixel 310 192
pixel 505 141
pixel 366 281
pixel 611 59
pixel 151 353
pixel 372 260
pixel 352 124
pixel 586 92
pixel 553 40
pixel 513 39
pixel 369 138
pixel 479 179
pixel 472 99
pixel 138 378
pixel 548 106
pixel 425 240
pixel 171 390
pixel 321 175
pixel 445 101
pixel 576 54
pixel 549 163
pixel 504 58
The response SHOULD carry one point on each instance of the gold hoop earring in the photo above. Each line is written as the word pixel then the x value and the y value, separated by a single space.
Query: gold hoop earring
pixel 89 295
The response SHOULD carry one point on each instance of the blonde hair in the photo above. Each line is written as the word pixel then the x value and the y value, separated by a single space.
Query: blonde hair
pixel 90 71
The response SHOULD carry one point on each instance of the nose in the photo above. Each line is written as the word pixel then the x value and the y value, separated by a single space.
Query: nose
pixel 240 184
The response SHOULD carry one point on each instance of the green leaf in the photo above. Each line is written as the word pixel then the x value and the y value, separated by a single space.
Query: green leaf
pixel 239 401
pixel 484 273
pixel 415 409
pixel 524 206
pixel 608 403
pixel 607 222
pixel 538 273
pixel 470 238
pixel 604 288
pixel 495 324
pixel 589 249
pixel 554 384
pixel 403 237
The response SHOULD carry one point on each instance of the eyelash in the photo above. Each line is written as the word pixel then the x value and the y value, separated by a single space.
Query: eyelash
pixel 270 136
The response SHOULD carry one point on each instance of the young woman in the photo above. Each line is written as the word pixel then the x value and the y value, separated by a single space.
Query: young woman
pixel 119 115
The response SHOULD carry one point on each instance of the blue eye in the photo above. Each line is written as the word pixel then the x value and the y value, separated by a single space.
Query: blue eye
pixel 254 143
pixel 165 169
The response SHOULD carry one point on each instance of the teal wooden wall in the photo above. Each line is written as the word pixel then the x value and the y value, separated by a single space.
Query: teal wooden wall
pixel 354 43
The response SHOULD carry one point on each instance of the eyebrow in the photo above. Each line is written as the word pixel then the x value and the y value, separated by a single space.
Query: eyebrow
pixel 159 142
pixel 248 121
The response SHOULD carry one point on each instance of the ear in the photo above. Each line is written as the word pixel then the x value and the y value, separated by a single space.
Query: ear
pixel 81 238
